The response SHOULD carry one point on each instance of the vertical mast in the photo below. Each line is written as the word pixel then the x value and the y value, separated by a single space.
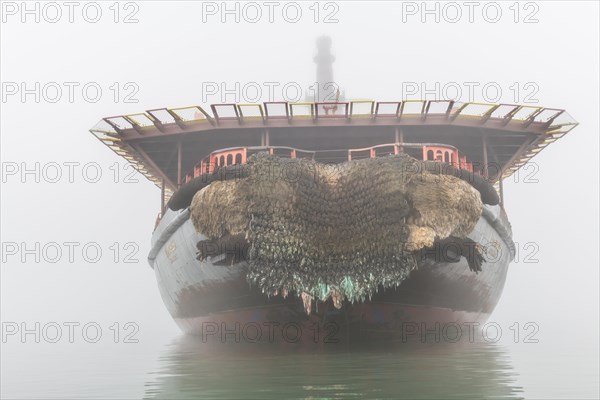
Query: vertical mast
pixel 326 88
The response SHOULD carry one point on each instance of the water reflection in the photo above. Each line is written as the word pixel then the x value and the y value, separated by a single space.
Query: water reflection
pixel 190 369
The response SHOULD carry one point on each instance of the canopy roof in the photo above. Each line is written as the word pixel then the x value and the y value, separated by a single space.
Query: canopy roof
pixel 164 144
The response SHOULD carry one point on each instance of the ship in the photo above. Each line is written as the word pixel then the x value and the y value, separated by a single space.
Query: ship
pixel 211 296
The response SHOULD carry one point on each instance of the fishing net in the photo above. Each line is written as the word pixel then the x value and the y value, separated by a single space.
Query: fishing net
pixel 339 231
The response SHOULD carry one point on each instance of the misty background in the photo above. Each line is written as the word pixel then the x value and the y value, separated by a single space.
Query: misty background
pixel 167 58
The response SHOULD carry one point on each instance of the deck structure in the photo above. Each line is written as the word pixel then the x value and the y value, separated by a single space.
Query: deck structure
pixel 166 144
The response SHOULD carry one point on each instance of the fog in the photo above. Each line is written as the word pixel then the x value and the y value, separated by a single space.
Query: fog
pixel 178 50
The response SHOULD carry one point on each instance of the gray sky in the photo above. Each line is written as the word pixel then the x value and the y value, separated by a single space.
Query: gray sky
pixel 175 50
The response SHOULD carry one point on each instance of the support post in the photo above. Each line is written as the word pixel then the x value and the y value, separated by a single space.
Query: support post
pixel 484 170
pixel 179 154
pixel 162 197
pixel 501 187
pixel 264 139
pixel 399 138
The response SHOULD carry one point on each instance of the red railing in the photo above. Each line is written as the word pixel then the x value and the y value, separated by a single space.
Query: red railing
pixel 447 154
pixel 239 155
pixel 375 151
pixel 219 158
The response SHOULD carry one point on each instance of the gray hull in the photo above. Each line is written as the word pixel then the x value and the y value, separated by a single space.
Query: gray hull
pixel 197 293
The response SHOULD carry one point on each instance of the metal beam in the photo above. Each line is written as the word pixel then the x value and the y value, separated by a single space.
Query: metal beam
pixel 519 152
pixel 155 167
pixel 432 120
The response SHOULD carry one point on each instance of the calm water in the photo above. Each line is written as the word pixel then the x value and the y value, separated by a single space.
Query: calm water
pixel 436 371
pixel 186 368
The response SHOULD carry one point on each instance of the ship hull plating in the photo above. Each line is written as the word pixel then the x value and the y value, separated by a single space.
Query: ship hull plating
pixel 210 299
